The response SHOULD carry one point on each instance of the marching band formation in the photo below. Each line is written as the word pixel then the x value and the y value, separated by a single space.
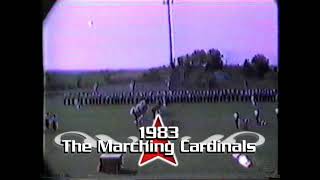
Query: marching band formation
pixel 169 97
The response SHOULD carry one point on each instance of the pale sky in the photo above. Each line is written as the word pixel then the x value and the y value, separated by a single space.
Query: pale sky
pixel 110 34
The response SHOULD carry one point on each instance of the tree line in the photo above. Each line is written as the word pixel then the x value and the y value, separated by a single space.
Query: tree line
pixel 212 60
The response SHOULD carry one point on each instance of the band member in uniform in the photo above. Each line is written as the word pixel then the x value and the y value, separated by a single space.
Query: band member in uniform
pixel 237 120
pixel 132 86
pixel 259 121
pixel 54 122
pixel 95 87
pixel 246 84
pixel 134 113
pixel 257 116
pixel 246 124
pixel 47 120
pixel 156 109
pixel 168 83
pixel 253 101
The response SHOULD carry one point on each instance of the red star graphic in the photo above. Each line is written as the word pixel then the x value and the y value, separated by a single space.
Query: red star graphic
pixel 146 157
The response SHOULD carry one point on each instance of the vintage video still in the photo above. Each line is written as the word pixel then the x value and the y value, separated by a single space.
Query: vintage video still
pixel 160 89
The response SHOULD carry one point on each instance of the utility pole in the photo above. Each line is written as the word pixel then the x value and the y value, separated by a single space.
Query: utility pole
pixel 168 3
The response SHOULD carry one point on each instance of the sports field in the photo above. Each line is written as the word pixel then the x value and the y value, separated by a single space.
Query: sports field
pixel 196 120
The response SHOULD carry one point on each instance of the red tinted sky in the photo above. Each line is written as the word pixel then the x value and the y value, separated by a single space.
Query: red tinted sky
pixel 135 35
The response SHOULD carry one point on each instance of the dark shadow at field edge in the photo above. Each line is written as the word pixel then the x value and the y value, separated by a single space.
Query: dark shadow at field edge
pixel 46 170
pixel 128 172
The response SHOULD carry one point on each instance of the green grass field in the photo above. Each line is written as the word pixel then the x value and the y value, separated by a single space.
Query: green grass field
pixel 196 120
